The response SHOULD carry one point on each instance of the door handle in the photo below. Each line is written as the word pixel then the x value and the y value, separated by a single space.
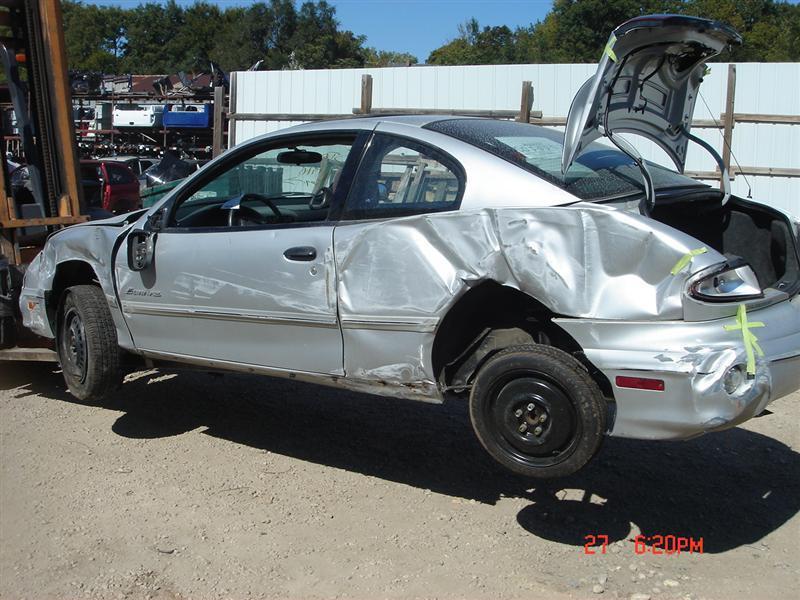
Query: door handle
pixel 304 253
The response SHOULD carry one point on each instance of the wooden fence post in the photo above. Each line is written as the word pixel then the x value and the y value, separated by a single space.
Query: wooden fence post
pixel 219 123
pixel 727 135
pixel 366 94
pixel 526 102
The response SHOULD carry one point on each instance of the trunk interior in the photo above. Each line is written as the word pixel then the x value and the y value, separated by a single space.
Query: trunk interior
pixel 762 236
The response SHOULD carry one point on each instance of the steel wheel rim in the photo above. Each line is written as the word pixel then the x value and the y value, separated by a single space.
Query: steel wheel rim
pixel 73 345
pixel 560 428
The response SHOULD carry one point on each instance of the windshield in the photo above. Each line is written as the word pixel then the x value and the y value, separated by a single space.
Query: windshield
pixel 600 172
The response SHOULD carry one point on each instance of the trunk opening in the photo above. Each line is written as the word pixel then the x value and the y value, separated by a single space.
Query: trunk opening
pixel 762 236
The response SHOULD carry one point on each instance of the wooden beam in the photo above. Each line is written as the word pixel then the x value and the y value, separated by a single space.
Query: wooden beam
pixel 768 171
pixel 525 102
pixel 219 123
pixel 15 223
pixel 753 171
pixel 366 94
pixel 286 117
pixel 727 132
pixel 772 119
pixel 462 112
pixel 33 354
pixel 53 31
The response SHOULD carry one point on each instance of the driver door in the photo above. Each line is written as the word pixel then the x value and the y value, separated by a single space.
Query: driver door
pixel 242 270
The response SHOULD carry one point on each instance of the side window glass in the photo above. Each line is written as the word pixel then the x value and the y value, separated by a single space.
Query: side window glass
pixel 401 177
pixel 286 184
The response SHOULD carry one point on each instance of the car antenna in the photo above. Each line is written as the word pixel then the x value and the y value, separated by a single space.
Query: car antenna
pixel 726 143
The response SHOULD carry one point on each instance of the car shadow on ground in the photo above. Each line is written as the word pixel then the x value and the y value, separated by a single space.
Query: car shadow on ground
pixel 730 488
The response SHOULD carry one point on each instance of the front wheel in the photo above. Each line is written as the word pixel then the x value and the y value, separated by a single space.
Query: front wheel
pixel 87 343
pixel 537 411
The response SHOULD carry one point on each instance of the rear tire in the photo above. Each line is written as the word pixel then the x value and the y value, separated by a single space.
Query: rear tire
pixel 537 411
pixel 87 343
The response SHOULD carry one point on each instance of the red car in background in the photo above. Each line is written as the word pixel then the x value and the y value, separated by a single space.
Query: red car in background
pixel 109 185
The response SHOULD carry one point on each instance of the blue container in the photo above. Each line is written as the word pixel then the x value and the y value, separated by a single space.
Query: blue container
pixel 188 116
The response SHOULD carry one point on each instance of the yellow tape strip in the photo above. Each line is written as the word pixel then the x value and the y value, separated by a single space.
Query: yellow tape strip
pixel 686 259
pixel 609 49
pixel 750 340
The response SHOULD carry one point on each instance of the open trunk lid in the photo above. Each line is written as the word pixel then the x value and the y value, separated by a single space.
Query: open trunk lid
pixel 647 83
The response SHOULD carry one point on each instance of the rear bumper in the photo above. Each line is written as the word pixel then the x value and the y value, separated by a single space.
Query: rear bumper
pixel 692 360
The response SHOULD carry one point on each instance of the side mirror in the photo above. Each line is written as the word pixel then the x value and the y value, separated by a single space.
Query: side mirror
pixel 141 249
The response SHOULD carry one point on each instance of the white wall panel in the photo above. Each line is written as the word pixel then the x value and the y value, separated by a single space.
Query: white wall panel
pixel 765 88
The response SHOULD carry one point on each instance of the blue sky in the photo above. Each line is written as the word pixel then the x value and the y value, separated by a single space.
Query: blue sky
pixel 415 26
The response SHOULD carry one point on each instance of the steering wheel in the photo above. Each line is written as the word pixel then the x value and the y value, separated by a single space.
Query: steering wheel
pixel 239 217
pixel 252 215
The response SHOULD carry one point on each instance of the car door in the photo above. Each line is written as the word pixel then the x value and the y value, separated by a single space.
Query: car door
pixel 390 287
pixel 243 268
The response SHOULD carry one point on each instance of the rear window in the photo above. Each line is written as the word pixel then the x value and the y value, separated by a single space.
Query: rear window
pixel 119 174
pixel 600 172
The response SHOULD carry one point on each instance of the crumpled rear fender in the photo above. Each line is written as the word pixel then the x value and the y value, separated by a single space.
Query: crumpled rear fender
pixel 583 261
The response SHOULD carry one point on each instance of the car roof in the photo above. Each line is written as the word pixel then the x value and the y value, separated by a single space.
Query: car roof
pixel 369 122
pixel 98 161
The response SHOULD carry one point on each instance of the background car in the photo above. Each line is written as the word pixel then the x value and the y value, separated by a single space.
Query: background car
pixel 109 185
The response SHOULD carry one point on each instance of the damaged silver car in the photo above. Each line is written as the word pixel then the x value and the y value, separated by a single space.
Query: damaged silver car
pixel 562 286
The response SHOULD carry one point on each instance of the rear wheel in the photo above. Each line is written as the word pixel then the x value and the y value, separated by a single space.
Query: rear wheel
pixel 87 343
pixel 537 411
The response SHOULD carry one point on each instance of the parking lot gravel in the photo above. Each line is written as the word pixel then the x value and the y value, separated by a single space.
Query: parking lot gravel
pixel 195 485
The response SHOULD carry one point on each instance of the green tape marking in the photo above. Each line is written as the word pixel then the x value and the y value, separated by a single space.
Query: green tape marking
pixel 751 346
pixel 686 259
pixel 609 49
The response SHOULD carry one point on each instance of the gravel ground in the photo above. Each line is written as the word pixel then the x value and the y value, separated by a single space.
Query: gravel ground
pixel 203 486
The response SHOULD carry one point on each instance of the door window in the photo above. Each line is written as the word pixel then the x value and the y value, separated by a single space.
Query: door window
pixel 291 183
pixel 402 177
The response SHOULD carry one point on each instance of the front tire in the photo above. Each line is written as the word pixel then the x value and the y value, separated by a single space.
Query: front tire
pixel 87 343
pixel 537 411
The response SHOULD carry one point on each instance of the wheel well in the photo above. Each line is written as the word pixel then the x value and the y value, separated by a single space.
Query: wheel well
pixel 68 273
pixel 488 318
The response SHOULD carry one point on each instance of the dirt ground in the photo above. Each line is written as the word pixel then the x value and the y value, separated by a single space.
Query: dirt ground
pixel 204 486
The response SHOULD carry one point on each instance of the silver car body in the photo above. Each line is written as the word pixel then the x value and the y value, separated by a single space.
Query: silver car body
pixel 366 312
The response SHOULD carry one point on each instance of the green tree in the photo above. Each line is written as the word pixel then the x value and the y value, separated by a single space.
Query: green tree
pixel 156 38
pixel 101 42
pixel 386 58
pixel 577 30
pixel 490 45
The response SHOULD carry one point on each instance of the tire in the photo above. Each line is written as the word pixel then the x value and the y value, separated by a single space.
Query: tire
pixel 564 429
pixel 87 344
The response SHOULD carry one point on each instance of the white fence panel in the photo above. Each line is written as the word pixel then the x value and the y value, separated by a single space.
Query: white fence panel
pixel 761 88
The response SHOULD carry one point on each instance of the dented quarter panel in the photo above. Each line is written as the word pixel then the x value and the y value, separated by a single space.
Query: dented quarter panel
pixel 585 261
